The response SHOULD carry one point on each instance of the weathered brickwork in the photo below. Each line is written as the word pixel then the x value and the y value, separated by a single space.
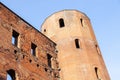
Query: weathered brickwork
pixel 69 52
pixel 79 55
pixel 25 53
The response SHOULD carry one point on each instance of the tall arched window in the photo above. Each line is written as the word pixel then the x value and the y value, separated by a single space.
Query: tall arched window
pixel 61 22
pixel 77 43
pixel 97 49
pixel 11 75
pixel 81 21
pixel 33 49
pixel 97 73
pixel 49 60
pixel 15 36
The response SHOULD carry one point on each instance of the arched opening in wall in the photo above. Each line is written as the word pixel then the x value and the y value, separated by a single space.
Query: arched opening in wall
pixel 61 22
pixel 15 36
pixel 49 60
pixel 77 44
pixel 97 49
pixel 44 30
pixel 81 21
pixel 33 49
pixel 11 75
pixel 97 74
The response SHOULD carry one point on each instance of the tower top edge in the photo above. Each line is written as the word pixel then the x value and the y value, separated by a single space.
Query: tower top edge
pixel 68 10
pixel 64 11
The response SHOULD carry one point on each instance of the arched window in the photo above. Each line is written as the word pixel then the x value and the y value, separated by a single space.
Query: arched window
pixel 61 22
pixel 44 30
pixel 33 49
pixel 81 21
pixel 11 75
pixel 97 49
pixel 77 43
pixel 15 36
pixel 49 60
pixel 97 73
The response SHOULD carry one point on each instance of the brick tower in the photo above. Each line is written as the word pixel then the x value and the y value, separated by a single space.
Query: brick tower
pixel 79 55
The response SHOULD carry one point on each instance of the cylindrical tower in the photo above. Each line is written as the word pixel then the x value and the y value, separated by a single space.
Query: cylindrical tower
pixel 79 55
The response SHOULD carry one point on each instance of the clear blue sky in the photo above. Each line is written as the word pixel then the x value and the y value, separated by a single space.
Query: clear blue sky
pixel 104 15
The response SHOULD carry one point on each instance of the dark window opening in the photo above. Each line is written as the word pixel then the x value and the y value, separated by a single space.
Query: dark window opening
pixel 61 23
pixel 33 79
pixel 11 75
pixel 81 21
pixel 15 51
pixel 56 51
pixel 23 56
pixel 30 60
pixel 49 60
pixel 44 30
pixel 96 72
pixel 33 49
pixel 37 65
pixel 46 69
pixel 15 36
pixel 97 49
pixel 77 43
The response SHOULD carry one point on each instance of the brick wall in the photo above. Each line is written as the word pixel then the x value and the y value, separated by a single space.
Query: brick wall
pixel 23 50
